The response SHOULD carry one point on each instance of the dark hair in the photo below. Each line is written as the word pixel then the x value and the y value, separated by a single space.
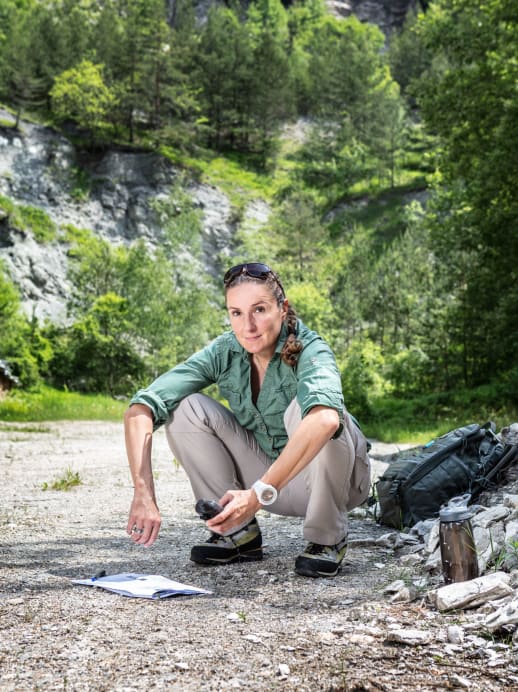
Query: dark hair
pixel 292 346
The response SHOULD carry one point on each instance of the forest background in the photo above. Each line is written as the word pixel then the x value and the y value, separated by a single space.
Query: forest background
pixel 394 216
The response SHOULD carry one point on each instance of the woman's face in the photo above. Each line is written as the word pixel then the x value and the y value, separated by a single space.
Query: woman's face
pixel 256 317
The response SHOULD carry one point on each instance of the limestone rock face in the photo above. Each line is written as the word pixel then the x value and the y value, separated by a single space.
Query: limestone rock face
pixel 386 14
pixel 110 194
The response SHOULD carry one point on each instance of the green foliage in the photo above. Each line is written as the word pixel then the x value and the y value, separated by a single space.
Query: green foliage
pixel 135 313
pixel 22 343
pixel 362 378
pixel 469 99
pixel 302 237
pixel 313 306
pixel 409 56
pixel 96 354
pixel 414 297
pixel 359 117
pixel 80 94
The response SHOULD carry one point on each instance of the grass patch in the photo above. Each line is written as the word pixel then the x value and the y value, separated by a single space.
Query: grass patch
pixel 421 419
pixel 27 218
pixel 383 214
pixel 231 174
pixel 6 427
pixel 67 481
pixel 41 225
pixel 49 404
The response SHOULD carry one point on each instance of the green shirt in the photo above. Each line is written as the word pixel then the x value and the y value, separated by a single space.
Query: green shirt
pixel 314 381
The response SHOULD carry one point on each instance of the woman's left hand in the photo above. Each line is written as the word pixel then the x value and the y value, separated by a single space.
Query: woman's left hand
pixel 239 508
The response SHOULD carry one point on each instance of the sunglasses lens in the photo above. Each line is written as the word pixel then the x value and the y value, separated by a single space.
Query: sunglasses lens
pixel 256 270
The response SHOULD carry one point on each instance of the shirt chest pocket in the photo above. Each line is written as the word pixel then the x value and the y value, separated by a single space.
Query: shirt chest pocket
pixel 233 396
pixel 281 398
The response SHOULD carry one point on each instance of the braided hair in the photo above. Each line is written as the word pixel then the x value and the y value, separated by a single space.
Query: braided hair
pixel 292 346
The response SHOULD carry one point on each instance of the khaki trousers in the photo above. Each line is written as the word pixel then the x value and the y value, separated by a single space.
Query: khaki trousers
pixel 219 455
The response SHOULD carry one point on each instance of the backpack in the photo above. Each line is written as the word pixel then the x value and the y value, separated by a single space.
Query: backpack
pixel 418 482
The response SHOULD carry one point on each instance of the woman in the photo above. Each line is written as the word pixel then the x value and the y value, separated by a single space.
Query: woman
pixel 287 442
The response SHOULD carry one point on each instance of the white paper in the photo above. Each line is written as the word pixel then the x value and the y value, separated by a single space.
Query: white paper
pixel 141 585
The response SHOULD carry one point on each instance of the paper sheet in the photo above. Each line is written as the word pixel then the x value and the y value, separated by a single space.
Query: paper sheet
pixel 141 585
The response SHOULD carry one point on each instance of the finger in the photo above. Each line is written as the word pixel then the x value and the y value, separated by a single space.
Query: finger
pixel 136 530
pixel 220 518
pixel 153 535
pixel 227 497
pixel 130 525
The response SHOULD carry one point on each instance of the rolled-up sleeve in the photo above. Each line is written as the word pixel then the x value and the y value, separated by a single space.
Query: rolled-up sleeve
pixel 318 380
pixel 165 393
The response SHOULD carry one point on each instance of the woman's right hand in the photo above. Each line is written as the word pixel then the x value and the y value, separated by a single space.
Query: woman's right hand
pixel 144 518
pixel 144 521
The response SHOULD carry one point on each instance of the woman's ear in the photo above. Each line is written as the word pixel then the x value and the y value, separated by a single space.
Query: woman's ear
pixel 285 306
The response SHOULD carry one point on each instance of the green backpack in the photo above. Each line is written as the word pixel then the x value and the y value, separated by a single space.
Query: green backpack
pixel 418 482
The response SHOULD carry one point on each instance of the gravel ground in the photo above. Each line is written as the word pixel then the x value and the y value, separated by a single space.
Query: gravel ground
pixel 263 627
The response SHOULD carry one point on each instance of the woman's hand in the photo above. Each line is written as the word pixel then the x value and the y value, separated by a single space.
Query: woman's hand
pixel 144 518
pixel 144 521
pixel 239 508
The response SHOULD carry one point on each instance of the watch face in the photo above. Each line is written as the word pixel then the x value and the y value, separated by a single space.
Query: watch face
pixel 267 495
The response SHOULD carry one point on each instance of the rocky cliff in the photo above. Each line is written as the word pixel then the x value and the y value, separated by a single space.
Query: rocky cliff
pixel 39 168
pixel 387 14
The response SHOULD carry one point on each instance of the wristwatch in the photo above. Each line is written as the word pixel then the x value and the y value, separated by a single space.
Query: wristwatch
pixel 266 494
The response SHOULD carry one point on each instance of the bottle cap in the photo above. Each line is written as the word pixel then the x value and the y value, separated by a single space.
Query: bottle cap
pixel 457 509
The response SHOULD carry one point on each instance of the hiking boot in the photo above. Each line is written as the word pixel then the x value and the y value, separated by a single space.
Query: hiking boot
pixel 242 546
pixel 321 560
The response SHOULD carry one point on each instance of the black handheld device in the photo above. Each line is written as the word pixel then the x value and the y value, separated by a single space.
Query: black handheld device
pixel 206 509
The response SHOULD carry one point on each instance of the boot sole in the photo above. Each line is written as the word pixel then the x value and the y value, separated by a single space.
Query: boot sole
pixel 308 572
pixel 248 556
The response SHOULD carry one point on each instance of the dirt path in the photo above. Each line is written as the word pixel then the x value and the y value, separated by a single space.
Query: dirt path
pixel 263 627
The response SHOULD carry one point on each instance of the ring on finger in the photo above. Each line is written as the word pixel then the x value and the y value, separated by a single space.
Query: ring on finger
pixel 137 530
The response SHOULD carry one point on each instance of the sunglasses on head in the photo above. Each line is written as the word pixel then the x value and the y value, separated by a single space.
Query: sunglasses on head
pixel 256 270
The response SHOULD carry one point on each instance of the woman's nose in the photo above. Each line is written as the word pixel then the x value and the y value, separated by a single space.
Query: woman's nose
pixel 249 323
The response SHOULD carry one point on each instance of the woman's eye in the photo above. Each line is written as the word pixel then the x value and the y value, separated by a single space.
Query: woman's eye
pixel 259 308
pixel 234 313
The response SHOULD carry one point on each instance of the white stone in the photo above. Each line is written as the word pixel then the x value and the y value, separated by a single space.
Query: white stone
pixel 411 560
pixel 404 595
pixel 510 501
pixel 433 562
pixel 387 540
pixel 413 637
pixel 432 541
pixel 253 638
pixel 470 594
pixel 395 586
pixel 510 434
pixel 506 615
pixel 283 669
pixel 490 516
pixel 455 634
pixel 460 681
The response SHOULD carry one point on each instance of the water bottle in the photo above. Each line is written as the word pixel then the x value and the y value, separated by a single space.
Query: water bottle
pixel 458 550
